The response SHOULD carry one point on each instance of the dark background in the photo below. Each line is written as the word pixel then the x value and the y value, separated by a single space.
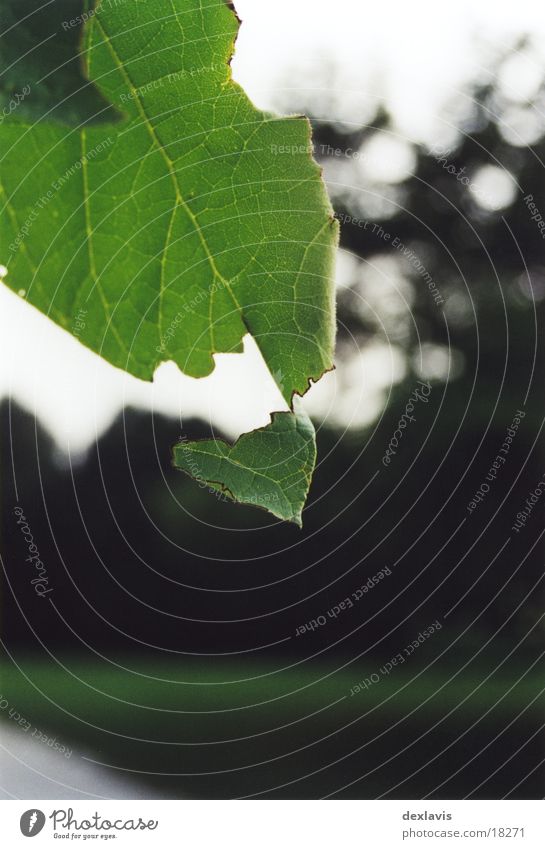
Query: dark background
pixel 167 647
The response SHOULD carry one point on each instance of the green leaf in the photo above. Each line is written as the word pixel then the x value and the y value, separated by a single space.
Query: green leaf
pixel 193 220
pixel 269 468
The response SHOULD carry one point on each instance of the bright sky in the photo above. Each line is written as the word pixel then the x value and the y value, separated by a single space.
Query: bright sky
pixel 344 58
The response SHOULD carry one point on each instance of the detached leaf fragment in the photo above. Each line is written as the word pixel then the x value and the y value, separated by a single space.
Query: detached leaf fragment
pixel 155 212
pixel 269 468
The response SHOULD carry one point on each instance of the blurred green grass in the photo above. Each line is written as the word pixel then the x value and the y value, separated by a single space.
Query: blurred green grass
pixel 234 729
